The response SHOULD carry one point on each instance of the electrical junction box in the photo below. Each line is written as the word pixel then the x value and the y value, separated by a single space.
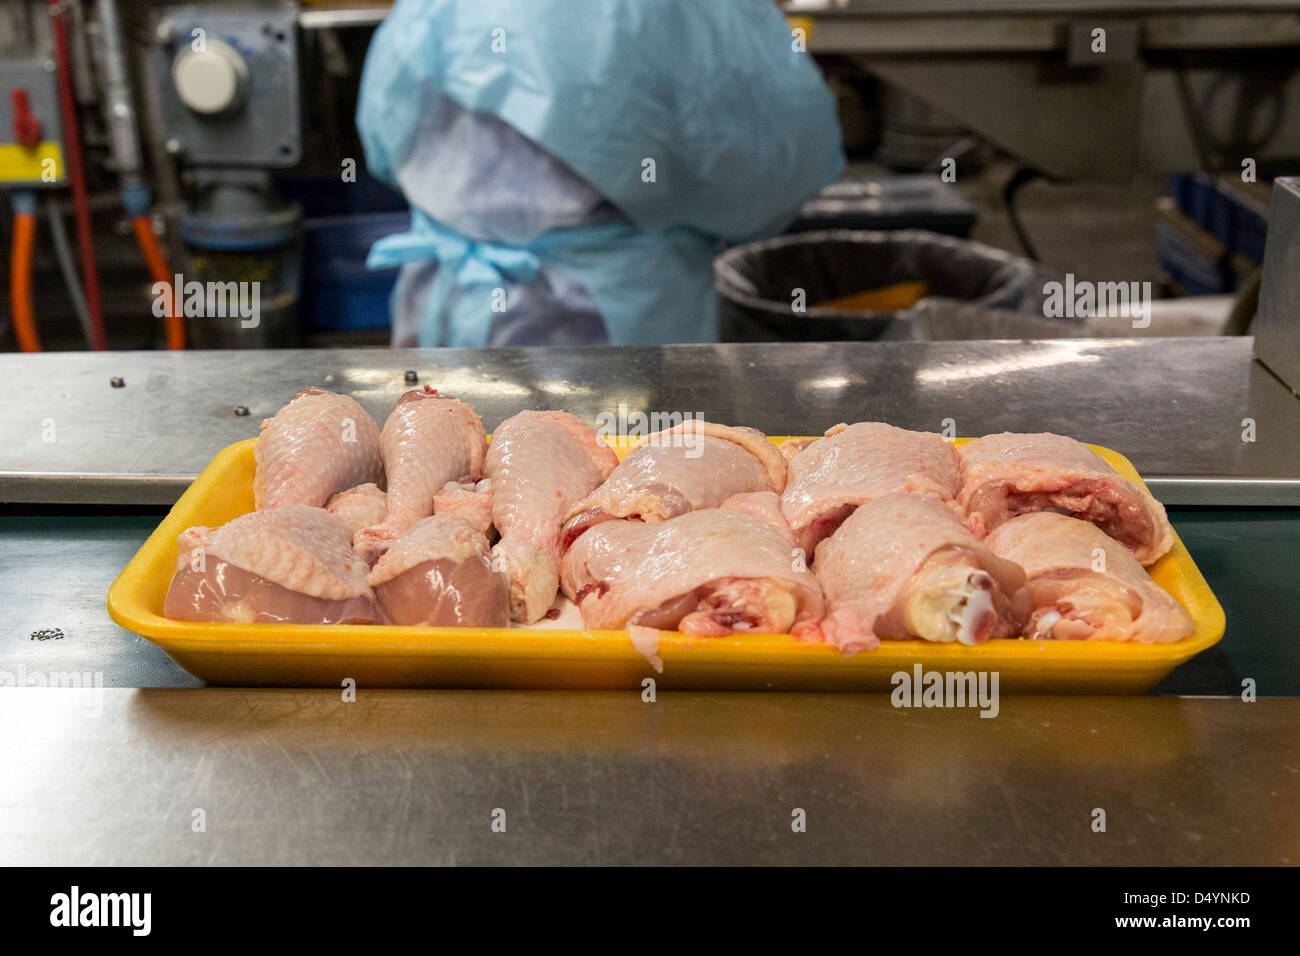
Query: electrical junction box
pixel 228 85
pixel 31 130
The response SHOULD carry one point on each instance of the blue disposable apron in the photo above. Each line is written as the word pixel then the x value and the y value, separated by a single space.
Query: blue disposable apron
pixel 650 285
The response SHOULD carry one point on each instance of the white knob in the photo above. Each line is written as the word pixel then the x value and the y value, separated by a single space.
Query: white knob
pixel 212 80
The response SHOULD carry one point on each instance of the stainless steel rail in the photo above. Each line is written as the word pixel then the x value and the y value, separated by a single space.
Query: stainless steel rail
pixel 1182 409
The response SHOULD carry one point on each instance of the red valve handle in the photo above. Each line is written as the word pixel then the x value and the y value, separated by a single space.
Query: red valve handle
pixel 27 128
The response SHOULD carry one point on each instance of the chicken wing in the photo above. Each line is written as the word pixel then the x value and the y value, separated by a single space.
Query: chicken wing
pixel 856 463
pixel 290 564
pixel 540 464
pixel 318 444
pixel 1009 474
pixel 1084 585
pixel 428 440
pixel 905 566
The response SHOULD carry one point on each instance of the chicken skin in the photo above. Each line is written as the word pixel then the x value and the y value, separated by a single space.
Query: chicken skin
pixel 1009 474
pixel 539 464
pixel 289 565
pixel 428 441
pixel 359 507
pixel 707 573
pixel 853 464
pixel 320 443
pixel 905 566
pixel 1084 585
pixel 695 465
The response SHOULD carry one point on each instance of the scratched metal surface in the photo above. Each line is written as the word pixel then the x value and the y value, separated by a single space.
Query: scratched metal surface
pixel 54 578
pixel 1174 406
pixel 410 777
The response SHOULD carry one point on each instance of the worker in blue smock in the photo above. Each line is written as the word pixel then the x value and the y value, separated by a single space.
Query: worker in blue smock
pixel 573 166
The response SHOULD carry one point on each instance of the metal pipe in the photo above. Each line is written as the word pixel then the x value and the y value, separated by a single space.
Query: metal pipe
pixel 118 104
pixel 68 267
pixel 77 175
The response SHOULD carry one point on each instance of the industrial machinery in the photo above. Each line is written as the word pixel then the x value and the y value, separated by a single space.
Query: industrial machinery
pixel 226 83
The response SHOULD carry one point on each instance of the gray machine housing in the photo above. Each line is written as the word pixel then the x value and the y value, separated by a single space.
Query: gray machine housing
pixel 266 131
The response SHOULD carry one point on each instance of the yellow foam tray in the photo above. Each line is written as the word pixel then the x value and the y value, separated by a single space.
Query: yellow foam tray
pixel 390 656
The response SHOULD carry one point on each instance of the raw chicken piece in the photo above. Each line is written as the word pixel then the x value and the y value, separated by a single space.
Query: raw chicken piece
pixel 706 573
pixel 437 574
pixel 695 465
pixel 1086 586
pixel 470 501
pixel 904 566
pixel 792 446
pixel 318 444
pixel 359 507
pixel 428 440
pixel 290 565
pixel 856 463
pixel 765 506
pixel 1010 474
pixel 540 464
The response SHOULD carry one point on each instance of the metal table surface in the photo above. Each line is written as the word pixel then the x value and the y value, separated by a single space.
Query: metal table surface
pixel 300 777
pixel 1174 406
pixel 109 775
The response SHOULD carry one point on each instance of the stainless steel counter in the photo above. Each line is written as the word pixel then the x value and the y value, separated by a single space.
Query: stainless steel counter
pixel 113 776
pixel 1174 406
pixel 298 777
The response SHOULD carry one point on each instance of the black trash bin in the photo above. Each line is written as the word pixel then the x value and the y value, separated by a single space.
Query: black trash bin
pixel 757 282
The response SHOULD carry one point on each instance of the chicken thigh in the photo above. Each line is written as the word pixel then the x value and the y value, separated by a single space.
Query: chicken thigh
pixel 707 573
pixel 428 440
pixel 1010 474
pixel 290 565
pixel 318 444
pixel 1084 585
pixel 539 464
pixel 905 566
pixel 856 463
pixel 695 465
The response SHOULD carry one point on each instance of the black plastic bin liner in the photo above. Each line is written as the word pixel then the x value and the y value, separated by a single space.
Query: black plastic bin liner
pixel 756 282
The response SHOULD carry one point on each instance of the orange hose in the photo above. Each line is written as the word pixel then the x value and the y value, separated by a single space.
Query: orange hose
pixel 20 282
pixel 161 272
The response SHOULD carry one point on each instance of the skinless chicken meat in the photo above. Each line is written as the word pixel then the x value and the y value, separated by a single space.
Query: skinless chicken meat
pixel 1084 585
pixel 1008 474
pixel 853 464
pixel 290 565
pixel 318 444
pixel 707 573
pixel 695 465
pixel 905 566
pixel 438 574
pixel 428 440
pixel 540 464
pixel 359 507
